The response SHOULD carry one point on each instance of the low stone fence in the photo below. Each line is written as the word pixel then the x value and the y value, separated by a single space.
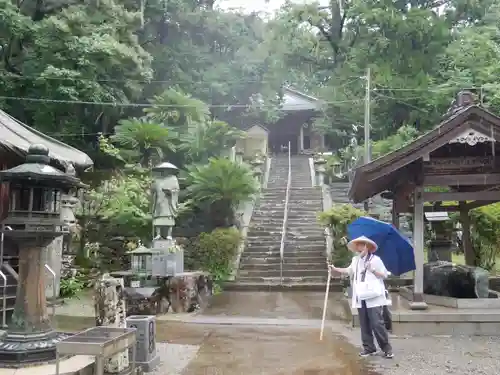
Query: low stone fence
pixel 396 282
pixel 183 293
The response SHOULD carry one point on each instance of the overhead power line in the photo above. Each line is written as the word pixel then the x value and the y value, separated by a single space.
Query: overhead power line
pixel 147 81
pixel 148 105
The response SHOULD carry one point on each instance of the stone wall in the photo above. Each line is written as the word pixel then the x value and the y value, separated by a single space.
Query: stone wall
pixel 183 293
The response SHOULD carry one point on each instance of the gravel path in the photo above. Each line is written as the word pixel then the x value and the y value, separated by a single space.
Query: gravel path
pixel 442 355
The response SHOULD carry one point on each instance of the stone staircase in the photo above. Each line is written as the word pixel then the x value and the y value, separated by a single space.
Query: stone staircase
pixel 304 265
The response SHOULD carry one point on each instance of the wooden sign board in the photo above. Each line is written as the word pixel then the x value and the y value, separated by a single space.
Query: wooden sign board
pixel 459 165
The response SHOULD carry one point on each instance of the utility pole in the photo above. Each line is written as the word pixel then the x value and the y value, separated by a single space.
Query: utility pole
pixel 368 152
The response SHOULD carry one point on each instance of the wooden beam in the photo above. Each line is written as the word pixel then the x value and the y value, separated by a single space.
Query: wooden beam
pixel 450 208
pixel 462 196
pixel 466 237
pixel 462 180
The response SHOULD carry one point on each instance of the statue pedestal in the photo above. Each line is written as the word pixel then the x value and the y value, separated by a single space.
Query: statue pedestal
pixel 166 263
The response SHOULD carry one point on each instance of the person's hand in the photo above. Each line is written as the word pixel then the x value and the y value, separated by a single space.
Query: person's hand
pixel 370 268
pixel 332 268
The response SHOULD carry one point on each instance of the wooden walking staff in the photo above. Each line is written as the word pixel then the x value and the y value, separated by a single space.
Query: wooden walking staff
pixel 325 304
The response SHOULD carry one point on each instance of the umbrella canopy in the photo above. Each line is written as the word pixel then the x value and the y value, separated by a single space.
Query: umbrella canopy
pixel 394 249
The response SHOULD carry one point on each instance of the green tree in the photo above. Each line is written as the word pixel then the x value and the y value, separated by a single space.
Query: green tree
pixel 144 141
pixel 64 52
pixel 219 187
pixel 208 139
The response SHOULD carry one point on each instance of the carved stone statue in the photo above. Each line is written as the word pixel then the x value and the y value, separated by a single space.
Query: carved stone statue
pixel 165 192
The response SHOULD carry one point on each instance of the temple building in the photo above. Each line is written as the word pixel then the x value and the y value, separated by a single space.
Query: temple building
pixel 294 127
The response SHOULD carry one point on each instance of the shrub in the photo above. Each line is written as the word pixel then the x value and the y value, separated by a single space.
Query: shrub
pixel 337 219
pixel 70 287
pixel 214 252
pixel 485 235
pixel 219 187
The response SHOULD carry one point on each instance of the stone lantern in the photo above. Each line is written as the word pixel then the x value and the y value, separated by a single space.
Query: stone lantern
pixel 320 170
pixel 33 220
pixel 440 245
pixel 141 260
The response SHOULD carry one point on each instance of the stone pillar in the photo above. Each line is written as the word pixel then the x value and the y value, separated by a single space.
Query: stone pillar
pixel 30 311
pixel 54 261
pixel 319 166
pixel 440 249
pixel 257 173
pixel 321 175
pixel 54 250
pixel 301 140
pixel 232 154
pixel 418 302
pixel 110 311
pixel 239 157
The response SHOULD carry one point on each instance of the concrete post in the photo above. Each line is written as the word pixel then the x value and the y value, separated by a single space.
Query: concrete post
pixel 418 302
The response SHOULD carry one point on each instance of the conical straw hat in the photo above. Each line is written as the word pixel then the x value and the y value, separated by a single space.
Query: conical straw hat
pixel 372 246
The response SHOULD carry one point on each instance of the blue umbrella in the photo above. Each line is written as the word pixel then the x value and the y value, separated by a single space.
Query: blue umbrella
pixel 394 249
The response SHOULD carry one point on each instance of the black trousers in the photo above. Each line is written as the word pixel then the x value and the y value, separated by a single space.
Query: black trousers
pixel 371 321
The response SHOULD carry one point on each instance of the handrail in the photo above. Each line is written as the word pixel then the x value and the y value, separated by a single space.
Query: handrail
pixel 54 289
pixel 4 300
pixel 285 214
pixel 10 270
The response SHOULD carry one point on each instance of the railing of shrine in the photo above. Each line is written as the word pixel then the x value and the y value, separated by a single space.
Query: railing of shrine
pixel 285 214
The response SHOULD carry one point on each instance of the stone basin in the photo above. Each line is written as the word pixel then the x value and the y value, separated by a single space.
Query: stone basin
pixel 493 302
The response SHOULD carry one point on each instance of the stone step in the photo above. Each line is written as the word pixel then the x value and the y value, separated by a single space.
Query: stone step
pixel 283 188
pixel 305 209
pixel 292 217
pixel 264 244
pixel 300 230
pixel 288 286
pixel 290 223
pixel 267 218
pixel 292 232
pixel 288 258
pixel 270 208
pixel 286 279
pixel 300 233
pixel 302 196
pixel 256 232
pixel 275 246
pixel 286 266
pixel 275 259
pixel 266 225
pixel 293 238
pixel 286 273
